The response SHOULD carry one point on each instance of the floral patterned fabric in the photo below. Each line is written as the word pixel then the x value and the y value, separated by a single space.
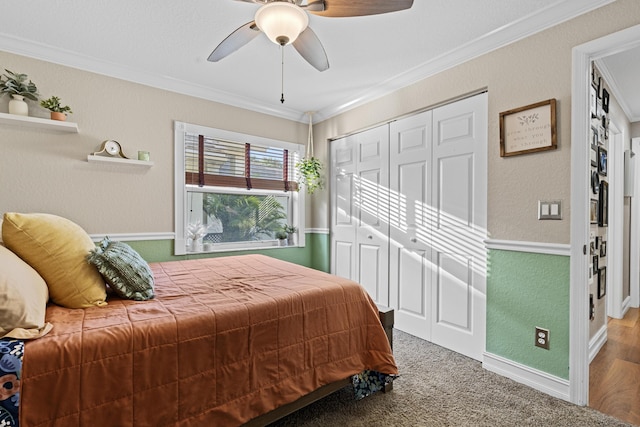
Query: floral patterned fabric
pixel 368 382
pixel 11 351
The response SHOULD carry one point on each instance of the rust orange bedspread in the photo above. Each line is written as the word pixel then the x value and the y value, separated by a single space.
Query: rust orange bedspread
pixel 225 340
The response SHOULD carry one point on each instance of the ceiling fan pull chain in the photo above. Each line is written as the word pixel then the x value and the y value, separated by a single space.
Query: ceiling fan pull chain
pixel 282 76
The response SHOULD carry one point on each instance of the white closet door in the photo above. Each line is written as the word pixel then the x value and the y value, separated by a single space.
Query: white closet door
pixel 410 216
pixel 343 210
pixel 360 210
pixel 409 205
pixel 372 201
pixel 459 202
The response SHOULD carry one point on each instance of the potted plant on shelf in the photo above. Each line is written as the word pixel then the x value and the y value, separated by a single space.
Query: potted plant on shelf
pixel 58 112
pixel 281 235
pixel 16 85
pixel 290 231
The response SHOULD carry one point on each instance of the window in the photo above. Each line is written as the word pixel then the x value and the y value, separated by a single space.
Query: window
pixel 233 191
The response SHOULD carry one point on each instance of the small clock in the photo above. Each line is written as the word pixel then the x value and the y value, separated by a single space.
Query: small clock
pixel 111 148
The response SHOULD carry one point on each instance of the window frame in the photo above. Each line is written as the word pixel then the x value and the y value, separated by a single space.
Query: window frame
pixel 181 188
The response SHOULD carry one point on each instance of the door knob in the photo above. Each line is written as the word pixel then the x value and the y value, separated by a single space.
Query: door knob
pixel 369 236
pixel 413 240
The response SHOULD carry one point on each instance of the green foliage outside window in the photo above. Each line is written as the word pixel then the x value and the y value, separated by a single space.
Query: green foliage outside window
pixel 245 217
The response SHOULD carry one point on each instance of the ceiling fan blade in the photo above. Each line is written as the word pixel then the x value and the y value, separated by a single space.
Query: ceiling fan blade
pixel 235 41
pixel 309 47
pixel 314 6
pixel 345 8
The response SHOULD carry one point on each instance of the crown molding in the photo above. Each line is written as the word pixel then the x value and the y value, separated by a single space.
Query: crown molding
pixel 527 26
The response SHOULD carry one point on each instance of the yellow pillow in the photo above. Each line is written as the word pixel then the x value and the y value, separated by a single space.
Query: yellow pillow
pixel 57 249
pixel 23 299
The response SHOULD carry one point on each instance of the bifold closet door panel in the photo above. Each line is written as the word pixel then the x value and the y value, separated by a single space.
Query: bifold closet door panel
pixel 343 215
pixel 360 210
pixel 410 223
pixel 459 193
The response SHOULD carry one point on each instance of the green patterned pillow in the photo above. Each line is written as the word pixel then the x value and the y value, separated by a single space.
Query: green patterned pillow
pixel 123 269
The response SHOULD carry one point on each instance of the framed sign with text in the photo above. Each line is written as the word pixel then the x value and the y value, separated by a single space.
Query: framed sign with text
pixel 528 129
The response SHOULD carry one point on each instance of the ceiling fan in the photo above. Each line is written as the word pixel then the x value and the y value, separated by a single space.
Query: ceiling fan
pixel 286 22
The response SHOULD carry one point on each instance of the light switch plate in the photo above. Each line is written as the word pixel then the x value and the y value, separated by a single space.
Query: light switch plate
pixel 550 209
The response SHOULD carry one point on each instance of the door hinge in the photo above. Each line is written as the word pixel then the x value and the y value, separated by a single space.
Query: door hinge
pixel 584 249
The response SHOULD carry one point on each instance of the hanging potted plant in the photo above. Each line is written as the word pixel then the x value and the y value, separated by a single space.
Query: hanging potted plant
pixel 309 167
pixel 58 112
pixel 16 85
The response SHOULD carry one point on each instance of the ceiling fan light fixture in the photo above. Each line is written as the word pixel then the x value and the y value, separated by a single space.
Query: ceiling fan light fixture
pixel 281 21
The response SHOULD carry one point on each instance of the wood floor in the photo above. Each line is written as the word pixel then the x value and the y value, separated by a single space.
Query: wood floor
pixel 614 374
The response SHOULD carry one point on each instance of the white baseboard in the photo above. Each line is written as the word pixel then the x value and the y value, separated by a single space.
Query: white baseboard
pixel 526 375
pixel 596 343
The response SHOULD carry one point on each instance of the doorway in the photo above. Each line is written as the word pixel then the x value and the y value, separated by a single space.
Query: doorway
pixel 583 56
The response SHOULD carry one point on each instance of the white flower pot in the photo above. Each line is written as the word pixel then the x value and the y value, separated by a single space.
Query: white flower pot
pixel 18 106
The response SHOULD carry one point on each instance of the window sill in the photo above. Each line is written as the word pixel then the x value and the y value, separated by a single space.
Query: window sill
pixel 238 249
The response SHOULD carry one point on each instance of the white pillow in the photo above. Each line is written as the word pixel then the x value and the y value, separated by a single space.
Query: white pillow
pixel 23 298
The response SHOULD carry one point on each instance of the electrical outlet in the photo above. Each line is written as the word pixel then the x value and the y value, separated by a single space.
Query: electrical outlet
pixel 542 338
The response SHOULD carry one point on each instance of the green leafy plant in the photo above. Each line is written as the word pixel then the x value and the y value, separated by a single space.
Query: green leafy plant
pixel 16 84
pixel 53 104
pixel 309 169
pixel 281 235
pixel 289 229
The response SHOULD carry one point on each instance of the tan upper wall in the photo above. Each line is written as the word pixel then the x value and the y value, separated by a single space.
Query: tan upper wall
pixel 531 70
pixel 48 171
pixel 635 130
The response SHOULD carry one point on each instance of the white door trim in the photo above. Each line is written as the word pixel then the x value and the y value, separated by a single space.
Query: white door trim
pixel 579 295
pixel 634 251
pixel 615 228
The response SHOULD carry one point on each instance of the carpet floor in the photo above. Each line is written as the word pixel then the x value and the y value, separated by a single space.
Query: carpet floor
pixel 438 387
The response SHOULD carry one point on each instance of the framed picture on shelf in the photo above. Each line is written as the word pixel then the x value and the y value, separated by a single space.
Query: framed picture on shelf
pixel 594 137
pixel 603 204
pixel 595 264
pixel 602 282
pixel 603 249
pixel 593 102
pixel 594 156
pixel 593 213
pixel 602 161
pixel 528 129
pixel 605 100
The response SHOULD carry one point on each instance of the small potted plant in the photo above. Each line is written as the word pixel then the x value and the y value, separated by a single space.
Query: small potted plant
pixel 309 169
pixel 281 235
pixel 58 112
pixel 16 85
pixel 290 231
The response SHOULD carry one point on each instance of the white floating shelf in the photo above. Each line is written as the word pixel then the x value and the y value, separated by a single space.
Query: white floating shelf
pixel 131 162
pixel 38 123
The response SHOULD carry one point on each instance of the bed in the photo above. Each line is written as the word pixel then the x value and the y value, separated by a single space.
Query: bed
pixel 225 341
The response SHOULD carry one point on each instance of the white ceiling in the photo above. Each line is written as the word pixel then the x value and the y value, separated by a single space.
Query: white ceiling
pixel 165 44
pixel 620 71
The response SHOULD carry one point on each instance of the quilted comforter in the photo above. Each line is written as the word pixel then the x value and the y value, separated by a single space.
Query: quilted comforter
pixel 225 340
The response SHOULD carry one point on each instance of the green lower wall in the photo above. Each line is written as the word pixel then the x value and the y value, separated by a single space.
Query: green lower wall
pixel 314 254
pixel 525 290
